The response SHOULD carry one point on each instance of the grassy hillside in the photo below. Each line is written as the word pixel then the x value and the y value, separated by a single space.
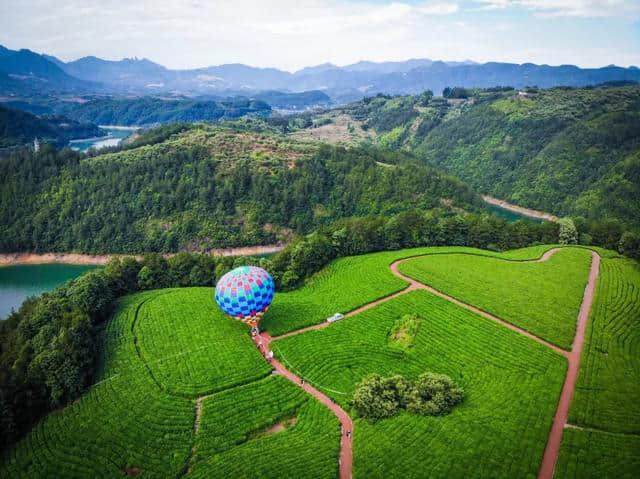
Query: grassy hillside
pixel 201 187
pixel 19 128
pixel 567 151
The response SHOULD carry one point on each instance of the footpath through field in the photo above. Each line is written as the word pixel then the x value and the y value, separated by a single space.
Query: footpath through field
pixel 263 341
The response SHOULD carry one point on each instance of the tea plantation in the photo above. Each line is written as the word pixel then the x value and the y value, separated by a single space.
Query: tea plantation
pixel 512 385
pixel 606 398
pixel 543 298
pixel 182 391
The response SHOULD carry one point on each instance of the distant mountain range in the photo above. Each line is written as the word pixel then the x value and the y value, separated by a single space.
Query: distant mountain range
pixel 24 72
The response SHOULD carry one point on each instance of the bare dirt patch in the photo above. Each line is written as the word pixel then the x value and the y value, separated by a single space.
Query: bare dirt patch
pixel 276 428
pixel 342 129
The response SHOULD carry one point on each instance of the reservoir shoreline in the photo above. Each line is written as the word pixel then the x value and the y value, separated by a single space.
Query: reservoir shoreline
pixel 540 215
pixel 10 259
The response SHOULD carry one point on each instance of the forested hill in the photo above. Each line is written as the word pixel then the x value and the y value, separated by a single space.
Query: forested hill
pixel 567 151
pixel 19 128
pixel 151 110
pixel 206 187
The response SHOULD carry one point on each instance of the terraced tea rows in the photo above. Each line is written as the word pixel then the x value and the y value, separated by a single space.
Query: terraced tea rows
pixel 166 348
pixel 608 388
pixel 191 348
pixel 597 455
pixel 229 443
pixel 124 423
pixel 499 431
pixel 609 385
pixel 541 297
pixel 354 281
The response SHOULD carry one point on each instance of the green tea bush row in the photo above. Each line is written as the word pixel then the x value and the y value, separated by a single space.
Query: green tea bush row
pixel 541 297
pixel 609 381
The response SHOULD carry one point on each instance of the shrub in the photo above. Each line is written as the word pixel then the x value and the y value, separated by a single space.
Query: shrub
pixel 568 233
pixel 432 394
pixel 377 397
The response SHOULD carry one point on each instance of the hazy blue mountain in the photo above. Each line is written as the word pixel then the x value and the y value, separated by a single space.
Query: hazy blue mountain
pixel 388 67
pixel 125 74
pixel 26 72
pixel 323 67
pixel 440 75
pixel 32 72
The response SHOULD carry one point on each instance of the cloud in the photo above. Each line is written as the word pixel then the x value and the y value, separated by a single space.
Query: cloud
pixel 570 8
pixel 291 34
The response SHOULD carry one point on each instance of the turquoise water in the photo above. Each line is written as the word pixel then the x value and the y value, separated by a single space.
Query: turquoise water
pixel 510 215
pixel 113 137
pixel 21 281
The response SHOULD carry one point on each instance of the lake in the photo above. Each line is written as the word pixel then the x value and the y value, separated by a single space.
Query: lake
pixel 113 135
pixel 21 281
pixel 509 215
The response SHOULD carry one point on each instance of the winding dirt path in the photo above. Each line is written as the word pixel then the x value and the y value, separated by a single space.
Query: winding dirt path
pixel 263 341
pixel 562 412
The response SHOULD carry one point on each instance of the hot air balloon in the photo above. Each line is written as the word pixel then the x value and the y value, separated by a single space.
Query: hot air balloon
pixel 245 293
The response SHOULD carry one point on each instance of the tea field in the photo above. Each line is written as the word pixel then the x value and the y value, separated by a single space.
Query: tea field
pixel 350 282
pixel 512 385
pixel 182 391
pixel 191 348
pixel 542 297
pixel 606 396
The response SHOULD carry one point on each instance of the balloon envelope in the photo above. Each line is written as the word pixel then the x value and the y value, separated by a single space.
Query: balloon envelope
pixel 245 293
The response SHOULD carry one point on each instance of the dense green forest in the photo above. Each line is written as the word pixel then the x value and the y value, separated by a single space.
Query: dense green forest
pixel 19 128
pixel 568 151
pixel 150 110
pixel 206 187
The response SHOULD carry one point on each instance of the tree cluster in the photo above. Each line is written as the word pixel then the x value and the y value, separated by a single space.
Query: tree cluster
pixel 150 110
pixel 377 397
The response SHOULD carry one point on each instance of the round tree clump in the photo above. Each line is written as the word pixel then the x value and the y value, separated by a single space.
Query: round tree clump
pixel 432 394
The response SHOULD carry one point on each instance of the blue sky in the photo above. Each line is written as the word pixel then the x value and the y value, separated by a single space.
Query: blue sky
pixel 291 34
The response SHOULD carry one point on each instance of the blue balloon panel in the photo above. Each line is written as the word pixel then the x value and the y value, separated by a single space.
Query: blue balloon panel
pixel 245 292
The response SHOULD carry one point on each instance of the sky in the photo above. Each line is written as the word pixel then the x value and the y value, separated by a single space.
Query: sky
pixel 291 34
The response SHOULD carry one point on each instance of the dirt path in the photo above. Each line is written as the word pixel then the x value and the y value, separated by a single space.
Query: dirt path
pixel 263 341
pixel 7 259
pixel 562 412
pixel 573 357
pixel 541 215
